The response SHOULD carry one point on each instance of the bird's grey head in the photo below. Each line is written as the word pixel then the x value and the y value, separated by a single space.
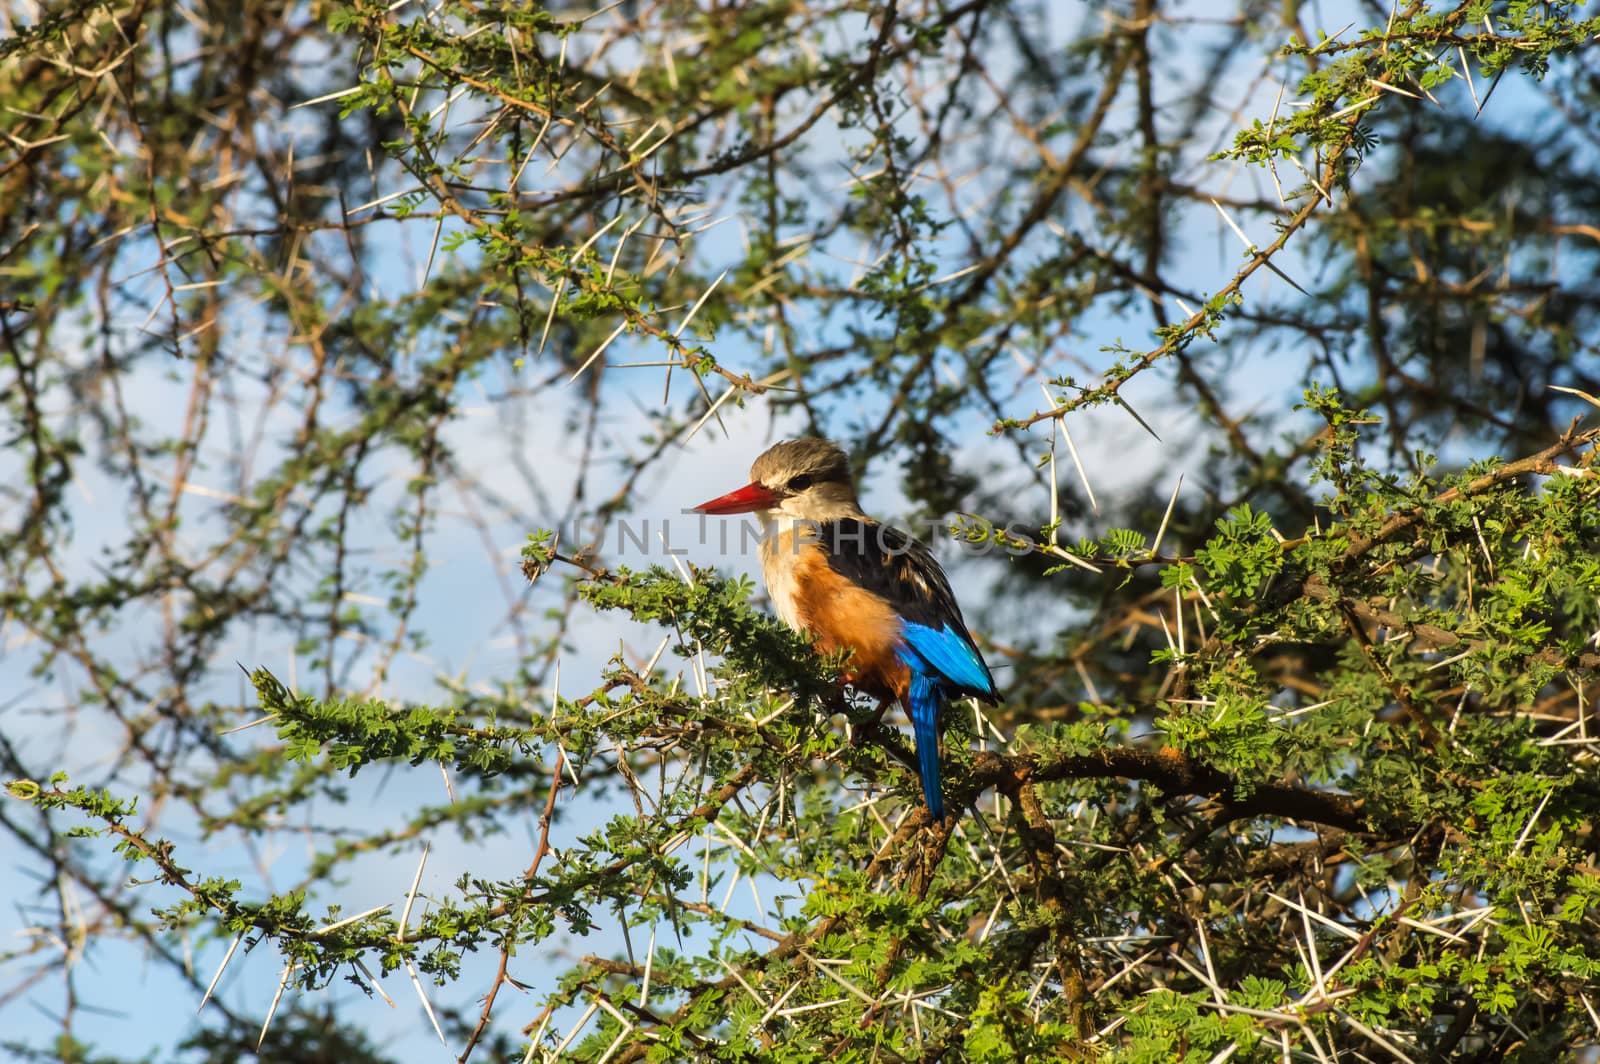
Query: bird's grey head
pixel 809 479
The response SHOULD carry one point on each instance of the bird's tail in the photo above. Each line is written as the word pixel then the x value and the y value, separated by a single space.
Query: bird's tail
pixel 924 706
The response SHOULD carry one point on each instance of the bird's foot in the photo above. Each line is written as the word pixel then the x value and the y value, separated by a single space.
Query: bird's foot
pixel 863 723
pixel 867 716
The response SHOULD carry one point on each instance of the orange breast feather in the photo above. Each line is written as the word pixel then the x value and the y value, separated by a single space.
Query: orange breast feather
pixel 841 615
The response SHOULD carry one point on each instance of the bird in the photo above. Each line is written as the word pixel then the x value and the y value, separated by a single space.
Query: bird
pixel 858 585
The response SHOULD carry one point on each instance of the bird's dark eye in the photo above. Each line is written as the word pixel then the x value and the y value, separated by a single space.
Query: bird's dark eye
pixel 799 483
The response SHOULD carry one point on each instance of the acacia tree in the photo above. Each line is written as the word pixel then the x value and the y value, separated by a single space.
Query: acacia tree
pixel 1294 763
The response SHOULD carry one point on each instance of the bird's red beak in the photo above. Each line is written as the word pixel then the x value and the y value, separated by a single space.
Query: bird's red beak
pixel 748 499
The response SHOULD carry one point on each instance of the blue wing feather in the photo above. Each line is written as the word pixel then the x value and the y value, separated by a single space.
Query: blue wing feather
pixel 952 657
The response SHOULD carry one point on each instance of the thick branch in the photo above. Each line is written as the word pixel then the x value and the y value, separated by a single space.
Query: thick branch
pixel 1177 773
